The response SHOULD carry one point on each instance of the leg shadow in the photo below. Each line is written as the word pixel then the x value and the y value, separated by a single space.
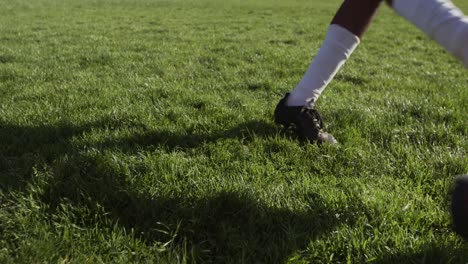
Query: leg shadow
pixel 171 140
pixel 22 148
pixel 222 227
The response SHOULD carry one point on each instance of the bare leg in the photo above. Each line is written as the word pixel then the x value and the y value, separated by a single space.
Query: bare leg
pixel 356 15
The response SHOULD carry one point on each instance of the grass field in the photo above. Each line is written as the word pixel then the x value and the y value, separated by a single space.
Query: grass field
pixel 142 131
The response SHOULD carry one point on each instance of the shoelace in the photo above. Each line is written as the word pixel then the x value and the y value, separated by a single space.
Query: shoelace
pixel 314 115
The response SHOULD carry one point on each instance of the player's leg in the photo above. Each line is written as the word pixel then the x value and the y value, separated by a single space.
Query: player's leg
pixel 343 36
pixel 441 20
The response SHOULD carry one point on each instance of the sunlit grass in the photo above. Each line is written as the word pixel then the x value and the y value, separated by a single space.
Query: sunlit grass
pixel 142 131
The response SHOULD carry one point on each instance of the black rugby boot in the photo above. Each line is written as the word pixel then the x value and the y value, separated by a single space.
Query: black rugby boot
pixel 305 120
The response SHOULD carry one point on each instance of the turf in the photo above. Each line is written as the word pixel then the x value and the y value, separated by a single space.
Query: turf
pixel 142 131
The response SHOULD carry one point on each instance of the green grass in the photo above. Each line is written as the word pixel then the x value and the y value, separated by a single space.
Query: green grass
pixel 142 131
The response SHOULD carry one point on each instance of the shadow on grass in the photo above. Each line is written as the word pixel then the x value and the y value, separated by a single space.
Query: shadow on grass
pixel 231 226
pixel 23 148
pixel 172 140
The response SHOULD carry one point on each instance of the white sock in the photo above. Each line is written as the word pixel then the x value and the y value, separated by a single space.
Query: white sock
pixel 336 49
pixel 441 20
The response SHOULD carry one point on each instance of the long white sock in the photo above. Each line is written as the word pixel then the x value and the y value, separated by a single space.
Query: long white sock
pixel 336 49
pixel 441 20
